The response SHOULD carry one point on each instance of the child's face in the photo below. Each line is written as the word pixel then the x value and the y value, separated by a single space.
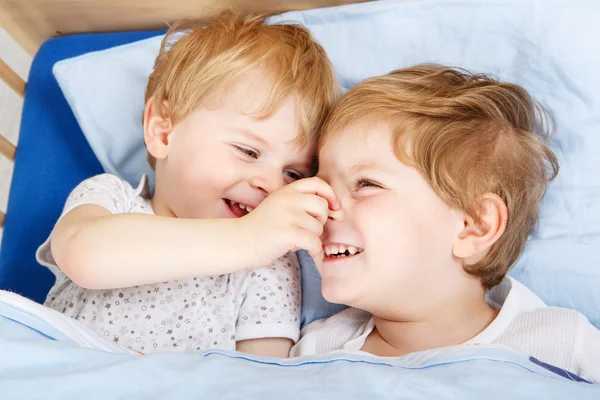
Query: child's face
pixel 390 212
pixel 222 162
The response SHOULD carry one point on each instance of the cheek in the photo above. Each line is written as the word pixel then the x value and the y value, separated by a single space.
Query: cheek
pixel 399 235
pixel 386 226
pixel 202 165
pixel 190 172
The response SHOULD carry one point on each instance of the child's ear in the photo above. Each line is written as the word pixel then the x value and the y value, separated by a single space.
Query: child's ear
pixel 157 128
pixel 476 237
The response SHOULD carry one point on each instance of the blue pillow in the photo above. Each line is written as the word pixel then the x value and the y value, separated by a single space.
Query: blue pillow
pixel 52 158
pixel 547 47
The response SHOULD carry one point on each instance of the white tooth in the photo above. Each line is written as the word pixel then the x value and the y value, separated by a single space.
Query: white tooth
pixel 352 250
pixel 249 209
pixel 242 206
pixel 334 250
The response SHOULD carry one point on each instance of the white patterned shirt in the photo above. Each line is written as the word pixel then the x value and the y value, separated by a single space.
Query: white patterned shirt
pixel 184 315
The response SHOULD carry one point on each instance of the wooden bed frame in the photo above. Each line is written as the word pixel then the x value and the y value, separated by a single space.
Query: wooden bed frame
pixel 32 22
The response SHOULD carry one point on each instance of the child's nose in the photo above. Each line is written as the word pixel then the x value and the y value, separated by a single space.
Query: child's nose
pixel 337 215
pixel 267 181
pixel 333 218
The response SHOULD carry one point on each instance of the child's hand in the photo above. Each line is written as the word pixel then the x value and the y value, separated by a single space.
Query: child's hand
pixel 290 219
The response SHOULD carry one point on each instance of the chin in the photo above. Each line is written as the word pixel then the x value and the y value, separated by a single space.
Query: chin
pixel 336 292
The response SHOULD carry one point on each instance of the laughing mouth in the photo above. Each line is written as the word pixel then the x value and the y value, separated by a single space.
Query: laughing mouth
pixel 238 209
pixel 341 250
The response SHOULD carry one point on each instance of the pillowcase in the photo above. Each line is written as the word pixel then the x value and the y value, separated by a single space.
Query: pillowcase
pixel 547 48
pixel 113 82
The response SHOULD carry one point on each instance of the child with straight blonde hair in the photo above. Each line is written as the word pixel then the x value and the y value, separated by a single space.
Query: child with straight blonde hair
pixel 440 175
pixel 232 114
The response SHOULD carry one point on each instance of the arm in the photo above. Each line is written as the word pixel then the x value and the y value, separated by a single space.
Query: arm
pixel 268 347
pixel 101 250
pixel 268 321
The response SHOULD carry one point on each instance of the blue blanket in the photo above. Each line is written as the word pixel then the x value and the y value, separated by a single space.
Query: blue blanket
pixel 44 360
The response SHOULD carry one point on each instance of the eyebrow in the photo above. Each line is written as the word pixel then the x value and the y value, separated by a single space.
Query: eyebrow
pixel 251 135
pixel 359 168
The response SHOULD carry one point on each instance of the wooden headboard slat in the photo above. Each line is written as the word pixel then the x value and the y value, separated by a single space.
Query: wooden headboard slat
pixel 11 78
pixel 31 22
pixel 7 149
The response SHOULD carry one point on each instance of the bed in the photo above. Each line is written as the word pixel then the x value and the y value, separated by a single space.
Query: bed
pixel 54 154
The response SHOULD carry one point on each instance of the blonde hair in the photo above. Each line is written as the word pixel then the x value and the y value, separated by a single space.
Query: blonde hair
pixel 199 61
pixel 467 135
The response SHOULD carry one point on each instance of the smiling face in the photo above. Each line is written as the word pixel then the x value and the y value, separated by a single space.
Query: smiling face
pixel 222 162
pixel 394 243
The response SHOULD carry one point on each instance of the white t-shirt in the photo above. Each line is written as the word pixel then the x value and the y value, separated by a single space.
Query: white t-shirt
pixel 556 336
pixel 185 315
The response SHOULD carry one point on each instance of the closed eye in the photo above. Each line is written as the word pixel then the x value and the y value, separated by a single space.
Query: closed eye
pixel 247 152
pixel 362 183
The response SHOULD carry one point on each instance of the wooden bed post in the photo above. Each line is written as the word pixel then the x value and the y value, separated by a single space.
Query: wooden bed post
pixel 11 78
pixel 14 81
pixel 7 149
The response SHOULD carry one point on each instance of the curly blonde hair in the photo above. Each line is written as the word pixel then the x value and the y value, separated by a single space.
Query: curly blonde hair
pixel 198 62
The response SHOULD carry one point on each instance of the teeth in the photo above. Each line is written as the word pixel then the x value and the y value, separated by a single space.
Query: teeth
pixel 242 206
pixel 332 250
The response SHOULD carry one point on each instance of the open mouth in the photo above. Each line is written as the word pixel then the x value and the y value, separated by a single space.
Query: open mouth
pixel 341 250
pixel 238 209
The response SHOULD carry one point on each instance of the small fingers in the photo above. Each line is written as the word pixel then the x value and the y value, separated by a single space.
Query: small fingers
pixel 315 206
pixel 319 187
pixel 310 224
pixel 309 242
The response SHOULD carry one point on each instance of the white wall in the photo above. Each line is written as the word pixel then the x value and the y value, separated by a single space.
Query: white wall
pixel 10 108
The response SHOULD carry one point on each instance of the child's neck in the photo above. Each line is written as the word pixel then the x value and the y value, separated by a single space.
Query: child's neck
pixel 451 323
